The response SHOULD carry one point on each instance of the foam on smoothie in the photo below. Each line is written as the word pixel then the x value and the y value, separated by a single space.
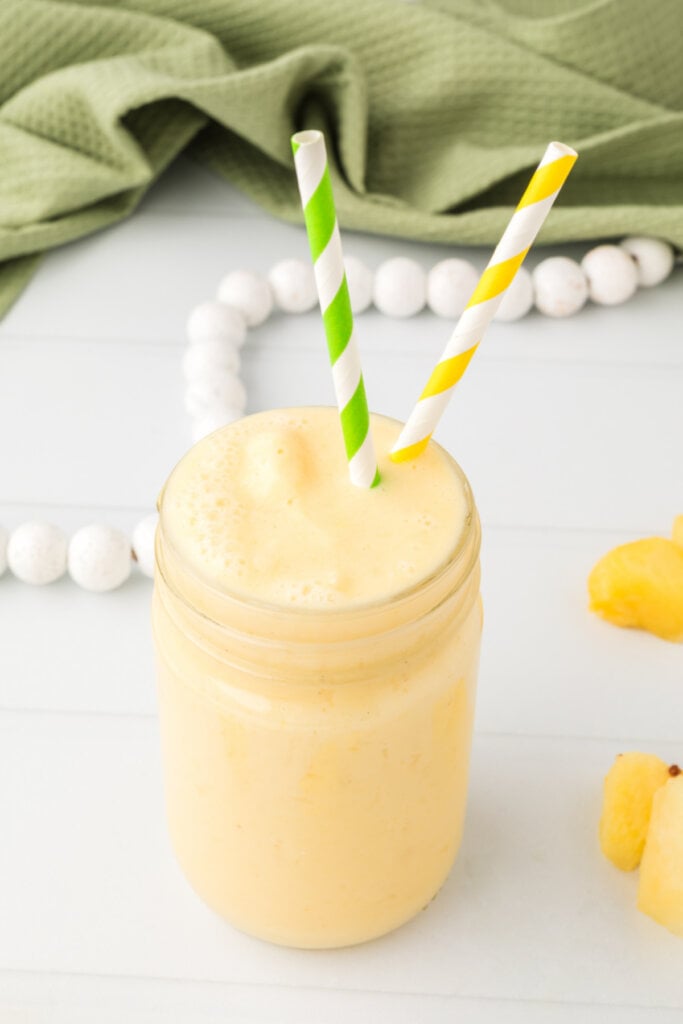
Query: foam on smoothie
pixel 276 484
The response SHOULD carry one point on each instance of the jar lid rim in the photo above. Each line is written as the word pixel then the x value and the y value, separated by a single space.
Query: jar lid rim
pixel 305 614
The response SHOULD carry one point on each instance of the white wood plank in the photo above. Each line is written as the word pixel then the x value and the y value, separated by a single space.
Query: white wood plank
pixel 79 999
pixel 139 280
pixel 592 449
pixel 68 650
pixel 549 668
pixel 189 188
pixel 618 335
pixel 90 425
pixel 542 447
pixel 531 912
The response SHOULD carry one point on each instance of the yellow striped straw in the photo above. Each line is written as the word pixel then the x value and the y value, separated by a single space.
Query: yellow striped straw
pixel 534 206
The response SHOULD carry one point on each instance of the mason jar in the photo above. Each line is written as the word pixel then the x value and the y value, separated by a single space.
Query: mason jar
pixel 316 760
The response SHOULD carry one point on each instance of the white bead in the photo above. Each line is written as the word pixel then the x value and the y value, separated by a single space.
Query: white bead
pixel 450 284
pixel 292 283
pixel 223 389
pixel 206 358
pixel 143 543
pixel 36 553
pixel 611 274
pixel 99 558
pixel 214 321
pixel 653 257
pixel 400 287
pixel 560 287
pixel 213 419
pixel 518 299
pixel 4 537
pixel 249 293
pixel 360 280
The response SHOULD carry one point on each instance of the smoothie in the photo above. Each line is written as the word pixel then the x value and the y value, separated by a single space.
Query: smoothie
pixel 317 647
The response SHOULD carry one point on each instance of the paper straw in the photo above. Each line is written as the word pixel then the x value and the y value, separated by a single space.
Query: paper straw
pixel 313 176
pixel 534 206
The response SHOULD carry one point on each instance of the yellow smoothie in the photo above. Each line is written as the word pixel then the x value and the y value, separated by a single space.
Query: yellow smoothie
pixel 317 649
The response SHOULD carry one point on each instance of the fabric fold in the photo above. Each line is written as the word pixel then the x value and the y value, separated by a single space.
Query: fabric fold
pixel 434 112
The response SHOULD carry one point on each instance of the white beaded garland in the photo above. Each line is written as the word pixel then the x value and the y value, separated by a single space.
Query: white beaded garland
pixel 518 299
pixel 99 558
pixel 560 287
pixel 292 283
pixel 214 321
pixel 400 287
pixel 4 537
pixel 653 257
pixel 221 390
pixel 611 274
pixel 206 358
pixel 360 280
pixel 143 543
pixel 213 419
pixel 249 293
pixel 36 553
pixel 450 284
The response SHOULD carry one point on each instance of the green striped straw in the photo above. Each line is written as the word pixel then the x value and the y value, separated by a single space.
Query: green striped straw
pixel 313 176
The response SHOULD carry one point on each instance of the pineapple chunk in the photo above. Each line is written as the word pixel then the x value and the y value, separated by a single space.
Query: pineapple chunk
pixel 677 532
pixel 641 585
pixel 630 785
pixel 660 893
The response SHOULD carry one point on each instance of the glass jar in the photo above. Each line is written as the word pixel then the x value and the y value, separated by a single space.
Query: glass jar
pixel 316 761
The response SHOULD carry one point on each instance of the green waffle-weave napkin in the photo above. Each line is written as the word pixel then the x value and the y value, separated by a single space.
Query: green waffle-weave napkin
pixel 435 112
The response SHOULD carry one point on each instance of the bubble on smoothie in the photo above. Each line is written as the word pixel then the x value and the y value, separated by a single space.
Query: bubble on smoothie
pixel 275 464
pixel 404 568
pixel 307 593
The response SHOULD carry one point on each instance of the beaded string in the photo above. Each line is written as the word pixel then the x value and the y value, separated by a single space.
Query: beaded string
pixel 100 558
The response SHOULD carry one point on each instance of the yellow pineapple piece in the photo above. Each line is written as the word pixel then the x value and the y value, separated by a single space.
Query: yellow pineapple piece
pixel 677 532
pixel 630 785
pixel 641 585
pixel 660 893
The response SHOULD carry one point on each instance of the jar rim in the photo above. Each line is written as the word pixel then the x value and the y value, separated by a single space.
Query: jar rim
pixel 306 614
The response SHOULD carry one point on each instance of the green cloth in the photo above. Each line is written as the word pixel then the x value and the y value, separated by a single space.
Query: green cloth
pixel 435 112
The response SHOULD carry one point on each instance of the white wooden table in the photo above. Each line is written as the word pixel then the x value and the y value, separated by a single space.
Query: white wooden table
pixel 571 433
